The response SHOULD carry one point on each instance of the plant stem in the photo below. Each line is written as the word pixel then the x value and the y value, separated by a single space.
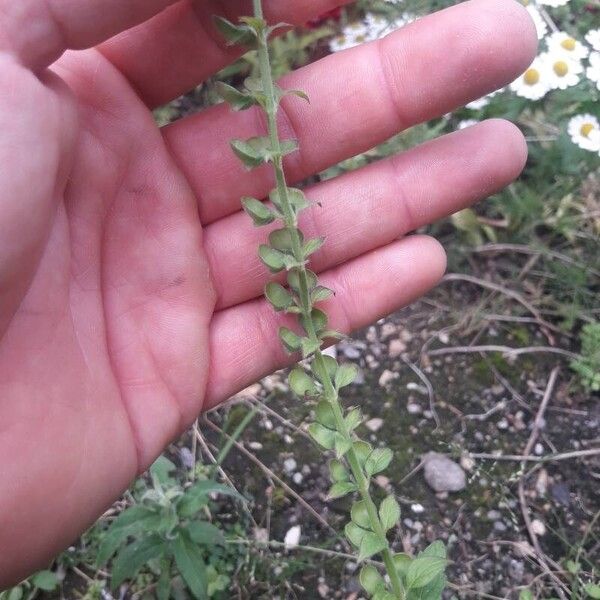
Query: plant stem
pixel 330 392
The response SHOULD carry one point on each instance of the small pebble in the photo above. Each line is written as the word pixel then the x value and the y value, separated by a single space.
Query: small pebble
pixel 289 465
pixel 374 424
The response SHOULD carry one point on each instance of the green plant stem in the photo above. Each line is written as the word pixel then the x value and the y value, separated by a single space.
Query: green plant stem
pixel 330 392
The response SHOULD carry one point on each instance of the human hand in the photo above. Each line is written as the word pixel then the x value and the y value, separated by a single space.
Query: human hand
pixel 130 297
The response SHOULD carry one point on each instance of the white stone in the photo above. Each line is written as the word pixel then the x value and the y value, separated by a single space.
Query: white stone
pixel 292 537
pixel 289 465
pixel 374 424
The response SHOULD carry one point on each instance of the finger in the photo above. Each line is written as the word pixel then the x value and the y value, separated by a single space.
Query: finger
pixel 365 209
pixel 245 345
pixel 172 53
pixel 39 31
pixel 360 98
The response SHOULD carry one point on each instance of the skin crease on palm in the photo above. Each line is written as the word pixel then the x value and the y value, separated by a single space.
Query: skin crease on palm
pixel 130 291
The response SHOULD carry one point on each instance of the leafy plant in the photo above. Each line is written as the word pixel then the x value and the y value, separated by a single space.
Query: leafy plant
pixel 169 531
pixel 334 429
pixel 42 581
pixel 588 365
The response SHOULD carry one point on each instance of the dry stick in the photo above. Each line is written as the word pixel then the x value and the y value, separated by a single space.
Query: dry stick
pixel 537 459
pixel 272 475
pixel 505 291
pixel 504 350
pixel 429 387
pixel 537 424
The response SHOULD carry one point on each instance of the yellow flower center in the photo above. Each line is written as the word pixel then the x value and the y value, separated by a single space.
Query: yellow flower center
pixel 561 68
pixel 531 77
pixel 586 129
pixel 568 44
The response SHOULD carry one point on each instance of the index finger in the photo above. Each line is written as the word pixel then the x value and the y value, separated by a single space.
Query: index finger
pixel 37 32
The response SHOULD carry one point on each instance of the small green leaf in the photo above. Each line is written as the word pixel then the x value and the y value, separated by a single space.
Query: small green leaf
pixel 363 451
pixel 345 375
pixel 355 534
pixel 525 594
pixel 311 246
pixel 309 347
pixel 320 294
pixel 288 147
pixel 45 580
pixel 281 239
pixel 370 545
pixel 370 579
pixel 338 471
pixel 236 99
pixel 360 514
pixel 378 461
pixel 278 296
pixel 401 562
pixel 423 570
pixel 291 341
pixel 163 587
pixel 257 24
pixel 134 556
pixel 436 549
pixel 341 445
pixel 272 259
pixel 190 563
pixel 341 489
pixel 257 211
pixel 325 415
pixel 294 279
pixel 299 93
pixel 161 470
pixel 389 513
pixel 302 383
pixel 15 593
pixel 592 590
pixel 235 34
pixel 253 152
pixel 323 436
pixel 205 534
pixel 353 419
pixel 197 497
pixel 318 318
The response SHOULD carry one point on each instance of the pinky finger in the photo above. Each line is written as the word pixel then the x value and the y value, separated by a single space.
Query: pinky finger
pixel 244 341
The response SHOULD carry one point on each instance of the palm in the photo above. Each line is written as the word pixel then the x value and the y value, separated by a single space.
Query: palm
pixel 121 318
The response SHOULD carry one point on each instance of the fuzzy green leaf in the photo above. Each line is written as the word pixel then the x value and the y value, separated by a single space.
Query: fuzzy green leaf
pixel 271 258
pixel 436 549
pixel 253 152
pixel 197 497
pixel 278 296
pixel 323 436
pixel 320 294
pixel 341 489
pixel 134 556
pixel 288 147
pixel 311 246
pixel 355 534
pixel 318 318
pixel 370 579
pixel 302 383
pixel 281 239
pixel 291 341
pixel 299 94
pixel 353 419
pixel 45 580
pixel 363 451
pixel 325 415
pixel 389 513
pixel 593 590
pixel 338 471
pixel 260 213
pixel 206 534
pixel 360 514
pixel 423 570
pixel 241 35
pixel 378 461
pixel 401 562
pixel 341 445
pixel 309 347
pixel 345 375
pixel 257 24
pixel 370 545
pixel 190 564
pixel 236 99
pixel 294 279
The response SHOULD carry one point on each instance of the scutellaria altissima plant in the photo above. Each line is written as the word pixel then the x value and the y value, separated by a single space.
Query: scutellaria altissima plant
pixel 334 430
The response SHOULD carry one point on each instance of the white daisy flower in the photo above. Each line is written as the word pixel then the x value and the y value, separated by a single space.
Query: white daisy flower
pixel 352 35
pixel 482 102
pixel 553 3
pixel 585 132
pixel 564 73
pixel 534 83
pixel 540 24
pixel 593 39
pixel 467 123
pixel 593 70
pixel 561 42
